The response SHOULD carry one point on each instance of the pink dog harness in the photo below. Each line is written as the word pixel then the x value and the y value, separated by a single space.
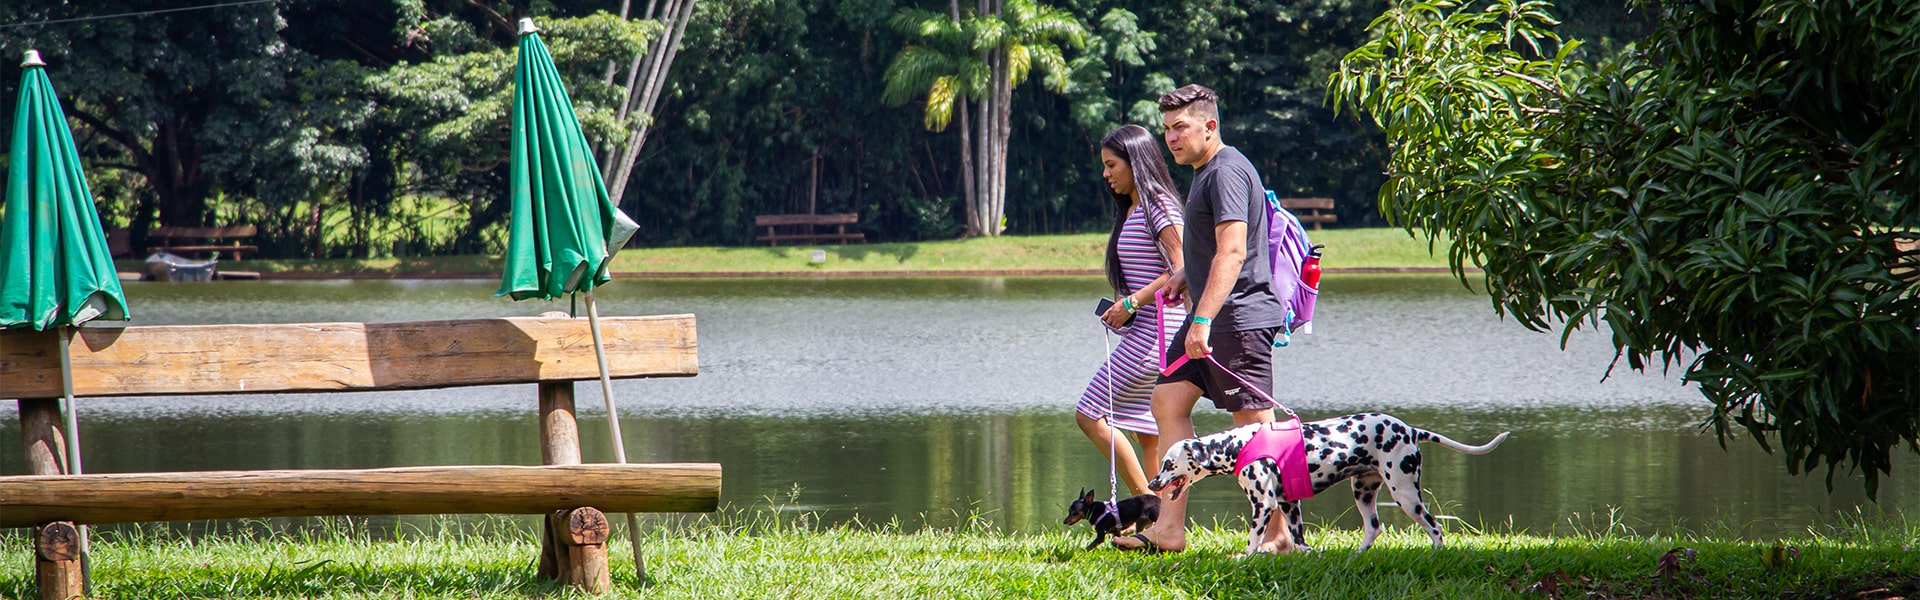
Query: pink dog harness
pixel 1282 442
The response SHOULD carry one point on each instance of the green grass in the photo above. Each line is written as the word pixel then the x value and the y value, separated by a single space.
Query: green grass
pixel 1346 248
pixel 768 555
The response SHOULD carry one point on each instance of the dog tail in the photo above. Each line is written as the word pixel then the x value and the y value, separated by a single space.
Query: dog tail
pixel 1427 436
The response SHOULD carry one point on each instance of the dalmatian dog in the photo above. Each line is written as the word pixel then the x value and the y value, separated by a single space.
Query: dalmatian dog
pixel 1372 449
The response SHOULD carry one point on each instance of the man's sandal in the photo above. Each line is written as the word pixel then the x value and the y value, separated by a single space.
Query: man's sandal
pixel 1146 545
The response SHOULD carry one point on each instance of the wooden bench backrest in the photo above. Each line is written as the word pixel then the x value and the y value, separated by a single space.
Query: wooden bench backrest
pixel 230 231
pixel 332 357
pixel 832 219
pixel 1307 203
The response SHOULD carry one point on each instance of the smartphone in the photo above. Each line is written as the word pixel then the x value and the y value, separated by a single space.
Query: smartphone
pixel 1106 304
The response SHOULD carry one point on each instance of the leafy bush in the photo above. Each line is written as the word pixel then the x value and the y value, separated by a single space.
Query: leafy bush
pixel 1735 199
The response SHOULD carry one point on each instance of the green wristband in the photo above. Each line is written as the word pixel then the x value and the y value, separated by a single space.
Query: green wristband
pixel 1199 320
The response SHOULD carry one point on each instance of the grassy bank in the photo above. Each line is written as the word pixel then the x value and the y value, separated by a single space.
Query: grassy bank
pixel 762 557
pixel 1346 249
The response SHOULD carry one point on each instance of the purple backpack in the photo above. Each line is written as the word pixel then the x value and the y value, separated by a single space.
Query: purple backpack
pixel 1288 247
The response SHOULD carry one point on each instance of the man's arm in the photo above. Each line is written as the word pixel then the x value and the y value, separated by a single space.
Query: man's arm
pixel 1222 276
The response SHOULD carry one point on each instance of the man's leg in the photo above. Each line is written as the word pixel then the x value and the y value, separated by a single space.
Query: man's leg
pixel 1173 412
pixel 1277 540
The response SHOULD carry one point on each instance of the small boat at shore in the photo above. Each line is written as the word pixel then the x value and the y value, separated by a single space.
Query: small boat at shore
pixel 163 266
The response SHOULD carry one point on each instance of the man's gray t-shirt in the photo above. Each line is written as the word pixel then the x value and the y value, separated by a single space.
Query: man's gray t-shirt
pixel 1228 189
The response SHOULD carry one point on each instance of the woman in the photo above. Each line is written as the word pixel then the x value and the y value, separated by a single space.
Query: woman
pixel 1142 251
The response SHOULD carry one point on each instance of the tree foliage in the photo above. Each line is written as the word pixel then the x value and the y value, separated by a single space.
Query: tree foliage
pixel 369 127
pixel 449 114
pixel 187 100
pixel 939 62
pixel 1734 198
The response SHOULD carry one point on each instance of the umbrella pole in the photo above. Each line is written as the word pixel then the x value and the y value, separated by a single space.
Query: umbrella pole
pixel 73 446
pixel 613 424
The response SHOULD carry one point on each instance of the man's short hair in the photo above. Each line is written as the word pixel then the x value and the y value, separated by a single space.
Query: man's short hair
pixel 1205 103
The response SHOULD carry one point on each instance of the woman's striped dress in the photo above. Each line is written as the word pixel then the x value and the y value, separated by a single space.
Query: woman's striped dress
pixel 1129 372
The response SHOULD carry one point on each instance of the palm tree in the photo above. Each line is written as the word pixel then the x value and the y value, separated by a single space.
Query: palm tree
pixel 939 61
pixel 980 58
pixel 1017 37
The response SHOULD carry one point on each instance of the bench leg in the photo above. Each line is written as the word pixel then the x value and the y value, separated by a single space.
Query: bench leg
pixel 56 561
pixel 573 550
pixel 559 445
pixel 580 538
pixel 58 566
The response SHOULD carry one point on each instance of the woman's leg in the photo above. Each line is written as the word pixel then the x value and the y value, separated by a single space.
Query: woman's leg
pixel 1150 465
pixel 1127 464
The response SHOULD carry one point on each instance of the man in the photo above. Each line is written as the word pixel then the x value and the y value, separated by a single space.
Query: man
pixel 1234 314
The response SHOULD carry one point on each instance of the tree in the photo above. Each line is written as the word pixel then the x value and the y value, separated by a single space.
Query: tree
pixel 940 62
pixel 1736 200
pixel 1015 37
pixel 981 58
pixel 451 111
pixel 646 77
pixel 182 98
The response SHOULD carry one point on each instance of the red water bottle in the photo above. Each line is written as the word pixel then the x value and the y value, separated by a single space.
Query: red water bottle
pixel 1310 270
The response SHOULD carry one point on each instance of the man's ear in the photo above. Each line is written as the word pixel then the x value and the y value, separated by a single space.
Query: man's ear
pixel 1213 126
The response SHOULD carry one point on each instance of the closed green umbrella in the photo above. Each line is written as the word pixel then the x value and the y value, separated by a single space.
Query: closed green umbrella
pixel 564 228
pixel 54 263
pixel 55 270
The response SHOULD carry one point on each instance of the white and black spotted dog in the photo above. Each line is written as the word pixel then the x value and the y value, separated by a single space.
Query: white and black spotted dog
pixel 1372 449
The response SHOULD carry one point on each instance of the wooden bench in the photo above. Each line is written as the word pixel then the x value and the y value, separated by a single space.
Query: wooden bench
pixel 802 228
pixel 553 352
pixel 202 240
pixel 1309 210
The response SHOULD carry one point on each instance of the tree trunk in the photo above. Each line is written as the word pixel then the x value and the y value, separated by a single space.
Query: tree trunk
pixel 983 165
pixel 993 119
pixel 966 171
pixel 968 186
pixel 174 167
pixel 171 163
pixel 649 91
pixel 613 66
pixel 1002 129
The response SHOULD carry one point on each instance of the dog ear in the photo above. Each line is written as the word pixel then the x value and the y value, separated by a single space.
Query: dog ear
pixel 1086 494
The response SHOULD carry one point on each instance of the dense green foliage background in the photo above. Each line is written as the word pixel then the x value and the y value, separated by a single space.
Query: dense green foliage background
pixel 373 127
pixel 1735 199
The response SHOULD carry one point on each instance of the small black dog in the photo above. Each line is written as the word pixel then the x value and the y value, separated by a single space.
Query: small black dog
pixel 1111 519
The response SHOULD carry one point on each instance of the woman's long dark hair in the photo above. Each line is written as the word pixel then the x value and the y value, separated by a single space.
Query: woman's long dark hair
pixel 1151 182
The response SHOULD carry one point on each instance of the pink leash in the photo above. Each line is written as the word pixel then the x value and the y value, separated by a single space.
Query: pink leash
pixel 1281 440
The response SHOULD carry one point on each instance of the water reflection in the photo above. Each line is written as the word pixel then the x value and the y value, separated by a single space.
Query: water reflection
pixel 932 400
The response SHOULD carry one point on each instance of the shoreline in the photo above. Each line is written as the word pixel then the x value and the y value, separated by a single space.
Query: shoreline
pixel 299 276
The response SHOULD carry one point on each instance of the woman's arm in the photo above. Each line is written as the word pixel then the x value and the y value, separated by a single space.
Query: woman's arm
pixel 1175 273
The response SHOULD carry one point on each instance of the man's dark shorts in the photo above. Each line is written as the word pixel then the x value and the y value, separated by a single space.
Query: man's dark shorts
pixel 1249 353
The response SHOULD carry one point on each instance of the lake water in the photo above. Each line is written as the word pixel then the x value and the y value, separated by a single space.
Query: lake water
pixel 937 400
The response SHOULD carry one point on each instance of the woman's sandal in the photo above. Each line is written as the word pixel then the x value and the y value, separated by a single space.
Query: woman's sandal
pixel 1146 545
